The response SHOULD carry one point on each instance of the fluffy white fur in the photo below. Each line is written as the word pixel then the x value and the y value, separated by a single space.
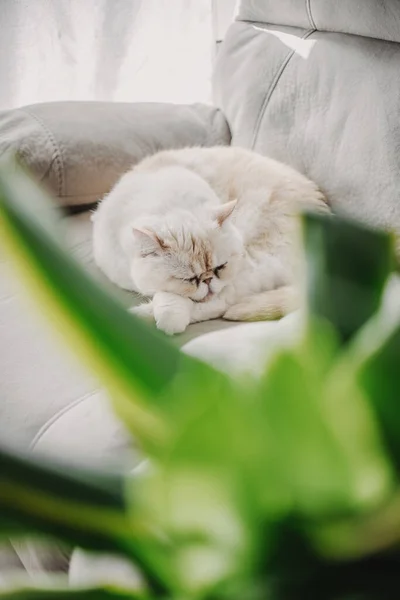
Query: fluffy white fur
pixel 206 233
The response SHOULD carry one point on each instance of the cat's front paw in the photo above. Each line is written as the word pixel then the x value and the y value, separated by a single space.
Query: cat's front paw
pixel 171 312
pixel 172 322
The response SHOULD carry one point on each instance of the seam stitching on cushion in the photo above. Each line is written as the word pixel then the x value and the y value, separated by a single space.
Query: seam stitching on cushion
pixel 310 15
pixel 56 148
pixel 272 88
pixel 57 416
pixel 325 30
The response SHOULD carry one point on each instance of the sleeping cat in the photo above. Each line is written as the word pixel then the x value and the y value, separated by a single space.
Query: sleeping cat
pixel 206 233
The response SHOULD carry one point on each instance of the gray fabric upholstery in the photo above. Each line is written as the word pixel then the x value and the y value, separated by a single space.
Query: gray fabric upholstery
pixel 80 149
pixel 370 18
pixel 327 103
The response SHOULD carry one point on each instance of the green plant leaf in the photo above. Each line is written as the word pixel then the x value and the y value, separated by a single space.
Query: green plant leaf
pixel 348 266
pixel 327 441
pixel 84 508
pixel 135 362
pixel 307 457
pixel 372 358
pixel 202 493
pixel 100 593
pixel 10 528
pixel 376 359
pixel 358 434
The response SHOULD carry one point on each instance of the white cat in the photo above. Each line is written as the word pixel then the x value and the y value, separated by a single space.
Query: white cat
pixel 207 233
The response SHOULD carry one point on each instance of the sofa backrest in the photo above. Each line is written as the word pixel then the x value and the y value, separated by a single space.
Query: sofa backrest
pixel 316 84
pixel 378 19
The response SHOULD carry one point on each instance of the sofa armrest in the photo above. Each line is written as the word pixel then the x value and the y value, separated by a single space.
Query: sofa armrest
pixel 78 150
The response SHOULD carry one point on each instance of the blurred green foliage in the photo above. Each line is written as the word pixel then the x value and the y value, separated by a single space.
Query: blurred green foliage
pixel 284 488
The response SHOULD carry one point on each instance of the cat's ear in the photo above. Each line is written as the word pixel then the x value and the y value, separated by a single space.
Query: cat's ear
pixel 148 239
pixel 224 211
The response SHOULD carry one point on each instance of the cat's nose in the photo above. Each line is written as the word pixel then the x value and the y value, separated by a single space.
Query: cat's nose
pixel 208 280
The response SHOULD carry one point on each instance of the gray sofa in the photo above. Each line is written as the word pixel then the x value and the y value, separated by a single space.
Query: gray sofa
pixel 313 83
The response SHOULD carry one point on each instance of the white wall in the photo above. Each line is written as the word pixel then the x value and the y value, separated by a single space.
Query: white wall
pixel 224 11
pixel 120 50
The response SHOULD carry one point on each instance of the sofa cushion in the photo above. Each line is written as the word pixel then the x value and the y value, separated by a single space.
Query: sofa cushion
pixel 79 149
pixel 368 18
pixel 326 103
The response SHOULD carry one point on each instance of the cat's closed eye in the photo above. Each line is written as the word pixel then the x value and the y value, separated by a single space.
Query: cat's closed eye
pixel 149 254
pixel 220 268
pixel 194 279
pixel 216 272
